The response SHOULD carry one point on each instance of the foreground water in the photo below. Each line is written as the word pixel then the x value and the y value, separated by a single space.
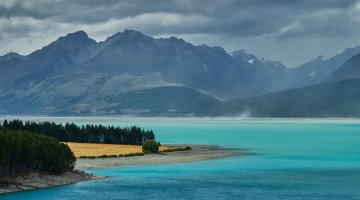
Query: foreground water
pixel 294 159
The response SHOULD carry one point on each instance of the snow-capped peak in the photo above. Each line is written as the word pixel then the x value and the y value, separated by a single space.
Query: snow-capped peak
pixel 251 61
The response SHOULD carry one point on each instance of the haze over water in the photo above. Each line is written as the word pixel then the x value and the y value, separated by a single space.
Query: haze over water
pixel 293 159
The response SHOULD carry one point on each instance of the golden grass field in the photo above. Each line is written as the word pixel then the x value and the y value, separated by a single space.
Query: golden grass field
pixel 91 149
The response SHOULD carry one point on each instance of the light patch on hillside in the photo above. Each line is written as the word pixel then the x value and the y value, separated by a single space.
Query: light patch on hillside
pixel 126 82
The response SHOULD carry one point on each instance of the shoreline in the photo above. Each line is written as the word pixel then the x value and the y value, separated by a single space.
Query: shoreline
pixel 198 153
pixel 35 181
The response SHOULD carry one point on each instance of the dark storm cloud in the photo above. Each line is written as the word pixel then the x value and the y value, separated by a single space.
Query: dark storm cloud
pixel 225 20
pixel 246 17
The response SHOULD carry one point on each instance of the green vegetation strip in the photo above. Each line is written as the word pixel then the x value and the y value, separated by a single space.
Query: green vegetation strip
pixel 176 149
pixel 114 156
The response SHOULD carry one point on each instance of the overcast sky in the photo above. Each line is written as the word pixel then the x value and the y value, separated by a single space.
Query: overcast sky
pixel 290 31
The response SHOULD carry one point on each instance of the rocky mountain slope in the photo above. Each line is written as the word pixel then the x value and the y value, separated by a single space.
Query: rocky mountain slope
pixel 131 73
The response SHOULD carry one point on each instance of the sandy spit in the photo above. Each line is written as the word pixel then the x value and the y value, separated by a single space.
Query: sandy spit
pixel 198 153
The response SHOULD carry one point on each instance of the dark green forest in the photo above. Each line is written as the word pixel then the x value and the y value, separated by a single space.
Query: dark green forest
pixel 34 146
pixel 23 152
pixel 70 132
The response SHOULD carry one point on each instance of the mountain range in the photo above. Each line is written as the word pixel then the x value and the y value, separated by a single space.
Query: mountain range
pixel 130 73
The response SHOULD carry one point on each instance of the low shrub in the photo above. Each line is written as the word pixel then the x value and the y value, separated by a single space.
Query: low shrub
pixel 150 146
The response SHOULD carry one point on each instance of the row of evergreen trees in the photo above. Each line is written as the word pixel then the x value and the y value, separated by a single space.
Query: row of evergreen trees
pixel 70 132
pixel 22 152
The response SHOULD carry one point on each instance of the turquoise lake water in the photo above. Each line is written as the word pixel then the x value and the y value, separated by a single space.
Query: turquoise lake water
pixel 293 159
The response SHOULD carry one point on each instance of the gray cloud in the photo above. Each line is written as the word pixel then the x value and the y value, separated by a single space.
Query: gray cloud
pixel 260 26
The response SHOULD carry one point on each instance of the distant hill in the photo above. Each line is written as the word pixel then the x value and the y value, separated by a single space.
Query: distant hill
pixel 351 69
pixel 334 99
pixel 316 70
pixel 276 77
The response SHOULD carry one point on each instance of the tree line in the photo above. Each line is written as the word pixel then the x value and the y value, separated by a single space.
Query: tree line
pixel 23 152
pixel 70 132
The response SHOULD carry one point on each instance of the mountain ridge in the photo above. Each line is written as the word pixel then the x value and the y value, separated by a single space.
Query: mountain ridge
pixel 78 72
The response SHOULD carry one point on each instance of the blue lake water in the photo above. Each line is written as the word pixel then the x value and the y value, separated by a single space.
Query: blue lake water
pixel 294 159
